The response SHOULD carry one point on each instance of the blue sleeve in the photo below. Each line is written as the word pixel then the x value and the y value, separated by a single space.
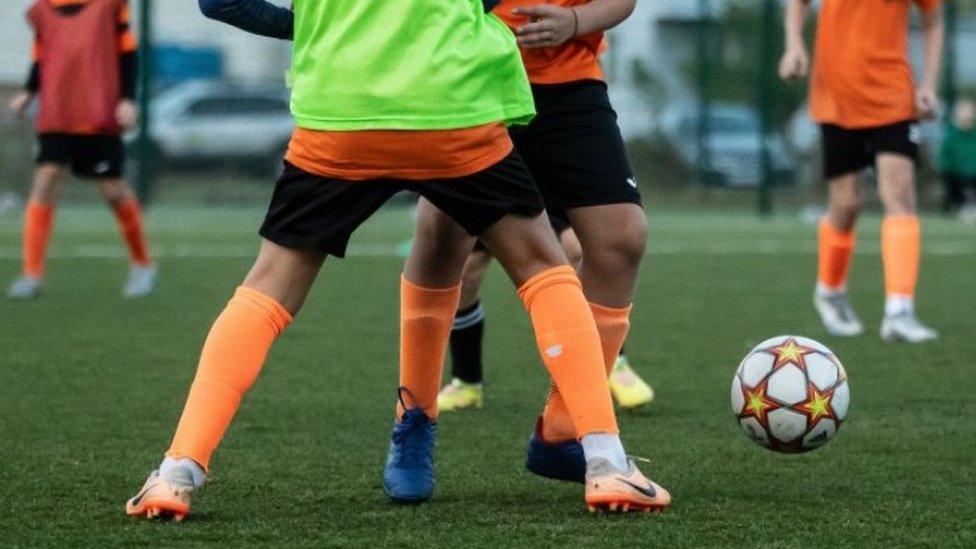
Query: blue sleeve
pixel 255 16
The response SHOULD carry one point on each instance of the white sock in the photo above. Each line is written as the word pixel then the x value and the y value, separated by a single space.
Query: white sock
pixel 899 304
pixel 607 446
pixel 826 291
pixel 199 475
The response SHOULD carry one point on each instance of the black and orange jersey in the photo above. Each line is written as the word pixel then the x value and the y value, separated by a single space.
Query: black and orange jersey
pixel 127 43
pixel 84 64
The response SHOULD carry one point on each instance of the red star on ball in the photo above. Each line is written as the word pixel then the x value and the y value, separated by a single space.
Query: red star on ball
pixel 757 404
pixel 790 352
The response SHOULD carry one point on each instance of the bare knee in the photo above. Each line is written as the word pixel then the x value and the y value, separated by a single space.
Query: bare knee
pixel 46 187
pixel 116 192
pixel 439 250
pixel 619 249
pixel 572 247
pixel 896 184
pixel 474 273
pixel 846 202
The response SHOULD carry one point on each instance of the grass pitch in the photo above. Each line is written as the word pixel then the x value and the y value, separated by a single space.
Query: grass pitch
pixel 91 387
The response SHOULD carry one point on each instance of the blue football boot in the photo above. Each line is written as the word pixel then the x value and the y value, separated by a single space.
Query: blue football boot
pixel 409 473
pixel 557 460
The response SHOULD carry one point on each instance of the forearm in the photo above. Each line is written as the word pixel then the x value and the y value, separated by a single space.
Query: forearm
pixel 600 15
pixel 254 16
pixel 933 38
pixel 795 22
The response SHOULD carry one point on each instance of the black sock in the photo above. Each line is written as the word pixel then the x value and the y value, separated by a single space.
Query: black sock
pixel 466 336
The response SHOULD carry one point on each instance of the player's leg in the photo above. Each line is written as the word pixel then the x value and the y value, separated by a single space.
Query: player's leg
pixel 232 357
pixel 465 391
pixel 430 290
pixel 38 224
pixel 503 207
pixel 845 156
pixel 901 244
pixel 309 218
pixel 120 197
pixel 836 241
pixel 623 378
pixel 570 346
pixel 613 239
pixel 102 158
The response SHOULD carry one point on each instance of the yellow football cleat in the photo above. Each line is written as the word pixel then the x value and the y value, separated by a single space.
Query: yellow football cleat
pixel 458 395
pixel 629 390
pixel 163 497
pixel 613 490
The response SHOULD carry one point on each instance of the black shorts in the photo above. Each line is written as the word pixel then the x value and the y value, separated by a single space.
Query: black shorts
pixel 574 149
pixel 848 151
pixel 89 156
pixel 314 212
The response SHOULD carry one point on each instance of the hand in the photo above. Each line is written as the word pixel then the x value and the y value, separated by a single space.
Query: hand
pixel 549 26
pixel 927 102
pixel 125 114
pixel 20 102
pixel 794 64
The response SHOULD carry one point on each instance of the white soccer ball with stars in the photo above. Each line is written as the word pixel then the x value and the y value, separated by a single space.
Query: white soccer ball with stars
pixel 790 394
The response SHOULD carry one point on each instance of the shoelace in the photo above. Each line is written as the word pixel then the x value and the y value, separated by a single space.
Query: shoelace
pixel 842 307
pixel 412 437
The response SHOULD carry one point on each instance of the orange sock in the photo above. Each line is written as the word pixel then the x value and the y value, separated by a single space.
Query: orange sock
pixel 38 222
pixel 901 244
pixel 613 326
pixel 836 248
pixel 128 214
pixel 426 317
pixel 231 360
pixel 569 344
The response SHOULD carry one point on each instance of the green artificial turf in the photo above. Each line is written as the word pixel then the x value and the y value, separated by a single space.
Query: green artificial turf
pixel 91 387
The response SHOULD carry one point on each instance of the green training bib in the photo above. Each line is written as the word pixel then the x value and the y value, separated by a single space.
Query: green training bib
pixel 404 65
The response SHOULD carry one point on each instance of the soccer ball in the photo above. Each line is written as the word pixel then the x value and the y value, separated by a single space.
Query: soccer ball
pixel 790 394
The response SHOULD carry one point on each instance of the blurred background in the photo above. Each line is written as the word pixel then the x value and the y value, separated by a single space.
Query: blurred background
pixel 708 123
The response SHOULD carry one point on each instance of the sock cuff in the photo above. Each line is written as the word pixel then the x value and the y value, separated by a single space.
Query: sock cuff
pixel 414 295
pixel 557 275
pixel 601 312
pixel 128 206
pixel 472 316
pixel 904 222
pixel 38 208
pixel 837 237
pixel 274 312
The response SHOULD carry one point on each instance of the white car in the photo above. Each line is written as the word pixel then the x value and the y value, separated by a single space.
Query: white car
pixel 732 145
pixel 210 122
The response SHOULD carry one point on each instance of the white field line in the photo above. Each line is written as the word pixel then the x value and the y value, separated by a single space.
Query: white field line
pixel 390 250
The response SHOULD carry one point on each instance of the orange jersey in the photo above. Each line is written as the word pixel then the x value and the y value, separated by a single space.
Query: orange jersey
pixel 575 60
pixel 399 154
pixel 861 73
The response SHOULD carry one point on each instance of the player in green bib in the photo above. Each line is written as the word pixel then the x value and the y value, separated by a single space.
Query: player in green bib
pixel 384 92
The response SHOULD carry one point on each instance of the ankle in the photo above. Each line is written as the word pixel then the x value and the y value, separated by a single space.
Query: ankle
pixel 199 475
pixel 899 304
pixel 823 290
pixel 605 446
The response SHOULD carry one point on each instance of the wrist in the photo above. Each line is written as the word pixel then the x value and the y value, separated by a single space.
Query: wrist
pixel 576 22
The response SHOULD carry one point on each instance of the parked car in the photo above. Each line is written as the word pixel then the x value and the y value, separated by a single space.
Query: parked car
pixel 217 122
pixel 732 144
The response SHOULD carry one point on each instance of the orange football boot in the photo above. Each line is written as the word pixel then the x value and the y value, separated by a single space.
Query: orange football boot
pixel 610 489
pixel 163 497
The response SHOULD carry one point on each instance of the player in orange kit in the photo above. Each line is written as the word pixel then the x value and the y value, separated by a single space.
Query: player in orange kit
pixel 576 154
pixel 84 77
pixel 863 95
